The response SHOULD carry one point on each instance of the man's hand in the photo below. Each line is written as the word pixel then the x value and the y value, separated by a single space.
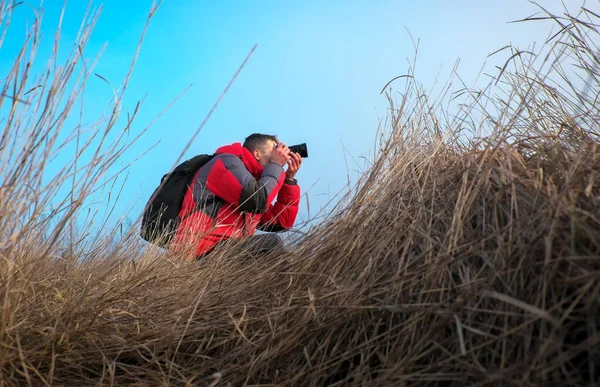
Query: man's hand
pixel 293 165
pixel 281 154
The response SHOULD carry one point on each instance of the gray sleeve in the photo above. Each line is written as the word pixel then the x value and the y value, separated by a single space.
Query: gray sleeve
pixel 255 194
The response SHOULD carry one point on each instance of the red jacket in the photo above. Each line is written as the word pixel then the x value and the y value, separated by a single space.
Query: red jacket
pixel 231 198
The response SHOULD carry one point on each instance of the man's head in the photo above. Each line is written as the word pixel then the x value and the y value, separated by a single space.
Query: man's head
pixel 261 146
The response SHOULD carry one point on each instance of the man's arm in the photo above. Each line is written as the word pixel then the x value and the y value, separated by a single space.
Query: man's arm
pixel 229 179
pixel 282 215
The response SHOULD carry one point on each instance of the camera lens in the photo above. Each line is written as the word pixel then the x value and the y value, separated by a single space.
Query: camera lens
pixel 301 149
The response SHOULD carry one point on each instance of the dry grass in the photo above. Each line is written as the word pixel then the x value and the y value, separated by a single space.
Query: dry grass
pixel 453 262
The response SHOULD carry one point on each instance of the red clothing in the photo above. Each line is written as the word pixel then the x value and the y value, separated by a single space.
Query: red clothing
pixel 231 198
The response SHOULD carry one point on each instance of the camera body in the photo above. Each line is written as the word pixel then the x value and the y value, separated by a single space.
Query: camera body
pixel 301 149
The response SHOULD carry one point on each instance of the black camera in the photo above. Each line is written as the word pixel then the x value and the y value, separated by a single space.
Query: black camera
pixel 300 149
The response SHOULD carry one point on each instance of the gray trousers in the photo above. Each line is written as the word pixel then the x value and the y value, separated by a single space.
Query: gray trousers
pixel 255 245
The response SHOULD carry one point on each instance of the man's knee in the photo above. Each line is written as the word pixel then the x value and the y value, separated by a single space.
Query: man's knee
pixel 275 241
pixel 264 243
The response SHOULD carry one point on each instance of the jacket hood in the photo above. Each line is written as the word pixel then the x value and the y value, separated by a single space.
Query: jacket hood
pixel 244 154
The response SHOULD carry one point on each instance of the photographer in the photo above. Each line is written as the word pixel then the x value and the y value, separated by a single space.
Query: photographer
pixel 231 197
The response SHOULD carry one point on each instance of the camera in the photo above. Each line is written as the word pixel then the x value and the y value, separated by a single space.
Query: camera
pixel 300 149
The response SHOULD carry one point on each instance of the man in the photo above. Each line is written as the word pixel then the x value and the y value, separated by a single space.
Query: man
pixel 232 194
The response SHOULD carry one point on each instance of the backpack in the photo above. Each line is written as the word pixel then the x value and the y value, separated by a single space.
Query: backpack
pixel 161 214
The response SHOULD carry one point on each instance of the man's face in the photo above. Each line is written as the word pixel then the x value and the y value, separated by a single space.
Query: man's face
pixel 263 154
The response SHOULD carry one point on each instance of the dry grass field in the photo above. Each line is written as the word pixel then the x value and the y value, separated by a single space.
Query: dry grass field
pixel 467 254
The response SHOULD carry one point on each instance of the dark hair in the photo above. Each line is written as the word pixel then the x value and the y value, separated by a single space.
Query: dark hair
pixel 257 140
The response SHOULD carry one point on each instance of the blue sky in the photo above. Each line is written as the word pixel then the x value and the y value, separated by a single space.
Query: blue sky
pixel 315 77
